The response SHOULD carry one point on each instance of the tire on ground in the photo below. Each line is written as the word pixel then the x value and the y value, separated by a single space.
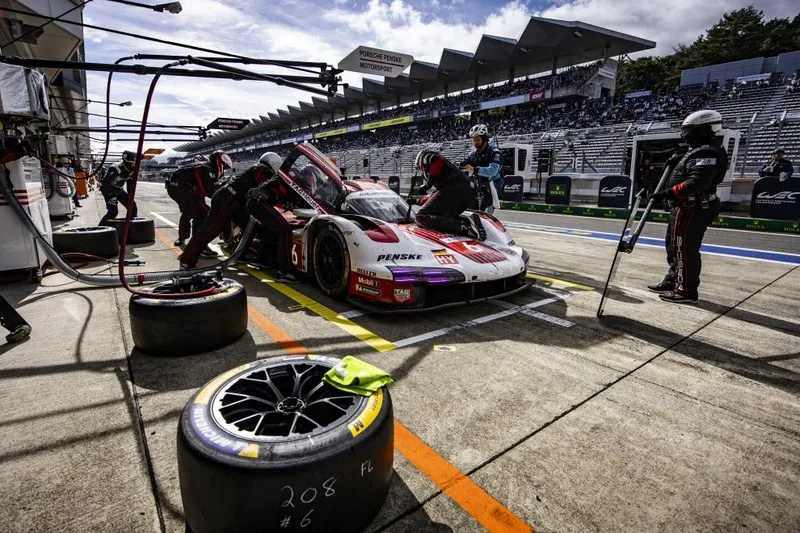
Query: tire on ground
pixel 142 230
pixel 332 262
pixel 255 454
pixel 100 241
pixel 185 326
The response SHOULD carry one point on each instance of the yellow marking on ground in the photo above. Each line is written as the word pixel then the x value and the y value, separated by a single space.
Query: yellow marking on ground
pixel 556 281
pixel 361 333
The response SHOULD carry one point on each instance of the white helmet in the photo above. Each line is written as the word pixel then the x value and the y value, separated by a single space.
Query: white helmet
pixel 701 126
pixel 272 160
pixel 479 130
pixel 704 117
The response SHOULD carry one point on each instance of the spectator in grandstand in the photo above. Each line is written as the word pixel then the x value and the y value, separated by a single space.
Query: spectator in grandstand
pixel 454 194
pixel 794 83
pixel 692 193
pixel 777 167
pixel 485 164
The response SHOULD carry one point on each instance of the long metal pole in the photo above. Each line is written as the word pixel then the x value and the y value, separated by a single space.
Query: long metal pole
pixel 287 64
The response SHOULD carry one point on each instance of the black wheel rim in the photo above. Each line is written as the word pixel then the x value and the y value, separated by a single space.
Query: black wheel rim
pixel 282 402
pixel 86 230
pixel 330 261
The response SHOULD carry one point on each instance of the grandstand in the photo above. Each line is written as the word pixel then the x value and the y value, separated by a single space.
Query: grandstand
pixel 568 110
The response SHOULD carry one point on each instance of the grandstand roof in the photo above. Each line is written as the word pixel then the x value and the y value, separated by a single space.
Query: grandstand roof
pixel 544 44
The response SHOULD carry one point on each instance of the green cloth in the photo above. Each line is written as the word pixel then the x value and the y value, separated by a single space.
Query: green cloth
pixel 356 376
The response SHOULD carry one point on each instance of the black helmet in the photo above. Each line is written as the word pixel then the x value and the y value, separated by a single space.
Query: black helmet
pixel 425 158
pixel 128 158
pixel 220 161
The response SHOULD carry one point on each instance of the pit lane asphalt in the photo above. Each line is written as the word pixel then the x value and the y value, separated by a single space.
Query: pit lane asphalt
pixel 657 417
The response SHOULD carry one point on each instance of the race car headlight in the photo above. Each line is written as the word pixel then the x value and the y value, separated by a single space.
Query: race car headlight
pixel 526 257
pixel 426 275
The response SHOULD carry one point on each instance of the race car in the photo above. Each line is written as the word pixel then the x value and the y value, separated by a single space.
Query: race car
pixel 359 241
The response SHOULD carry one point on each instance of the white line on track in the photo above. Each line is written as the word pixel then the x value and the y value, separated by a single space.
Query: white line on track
pixel 163 219
pixel 475 322
pixel 573 216
pixel 564 323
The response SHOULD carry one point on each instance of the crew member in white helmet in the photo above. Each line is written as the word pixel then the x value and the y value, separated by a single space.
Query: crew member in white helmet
pixel 692 194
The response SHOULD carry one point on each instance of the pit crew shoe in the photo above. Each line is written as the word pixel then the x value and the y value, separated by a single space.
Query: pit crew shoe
pixel 179 244
pixel 208 252
pixel 19 334
pixel 674 297
pixel 664 286
pixel 476 221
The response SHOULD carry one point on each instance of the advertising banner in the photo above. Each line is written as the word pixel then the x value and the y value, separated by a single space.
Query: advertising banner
pixel 536 95
pixel 773 198
pixel 384 123
pixel 512 188
pixel 638 94
pixel 614 191
pixel 394 183
pixel 330 133
pixel 558 190
pixel 450 111
pixel 421 115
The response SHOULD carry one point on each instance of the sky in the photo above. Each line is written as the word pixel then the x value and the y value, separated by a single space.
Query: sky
pixel 320 30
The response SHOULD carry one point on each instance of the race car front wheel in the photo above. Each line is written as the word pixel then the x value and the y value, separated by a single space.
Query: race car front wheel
pixel 269 446
pixel 332 262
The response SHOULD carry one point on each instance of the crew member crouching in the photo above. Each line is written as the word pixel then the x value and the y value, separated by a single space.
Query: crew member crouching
pixel 229 204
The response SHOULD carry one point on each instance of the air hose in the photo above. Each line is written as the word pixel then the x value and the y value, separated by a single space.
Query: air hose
pixel 55 188
pixel 129 208
pixel 106 280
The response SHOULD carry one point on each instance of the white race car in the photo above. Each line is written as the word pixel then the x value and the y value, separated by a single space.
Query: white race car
pixel 360 242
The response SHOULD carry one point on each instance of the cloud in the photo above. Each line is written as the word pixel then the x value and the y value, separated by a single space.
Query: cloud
pixel 669 24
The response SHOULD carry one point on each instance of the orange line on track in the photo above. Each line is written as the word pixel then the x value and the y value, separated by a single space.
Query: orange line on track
pixel 481 506
pixel 490 513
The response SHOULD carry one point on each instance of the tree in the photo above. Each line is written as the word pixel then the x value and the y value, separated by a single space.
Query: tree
pixel 740 34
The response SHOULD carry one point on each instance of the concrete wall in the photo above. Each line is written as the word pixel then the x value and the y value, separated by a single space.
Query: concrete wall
pixel 787 63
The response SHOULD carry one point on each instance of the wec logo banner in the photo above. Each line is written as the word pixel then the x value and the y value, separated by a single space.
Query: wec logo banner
pixel 614 191
pixel 773 198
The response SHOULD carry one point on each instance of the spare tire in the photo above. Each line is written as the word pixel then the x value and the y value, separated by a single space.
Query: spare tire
pixel 100 241
pixel 142 230
pixel 185 326
pixel 268 446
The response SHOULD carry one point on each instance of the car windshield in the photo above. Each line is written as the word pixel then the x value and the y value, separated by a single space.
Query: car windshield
pixel 311 178
pixel 383 205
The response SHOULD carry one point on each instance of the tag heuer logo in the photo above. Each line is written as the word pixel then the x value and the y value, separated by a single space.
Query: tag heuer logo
pixel 402 295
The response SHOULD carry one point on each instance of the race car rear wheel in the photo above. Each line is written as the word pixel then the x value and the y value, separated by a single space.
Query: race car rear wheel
pixel 268 446
pixel 332 262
